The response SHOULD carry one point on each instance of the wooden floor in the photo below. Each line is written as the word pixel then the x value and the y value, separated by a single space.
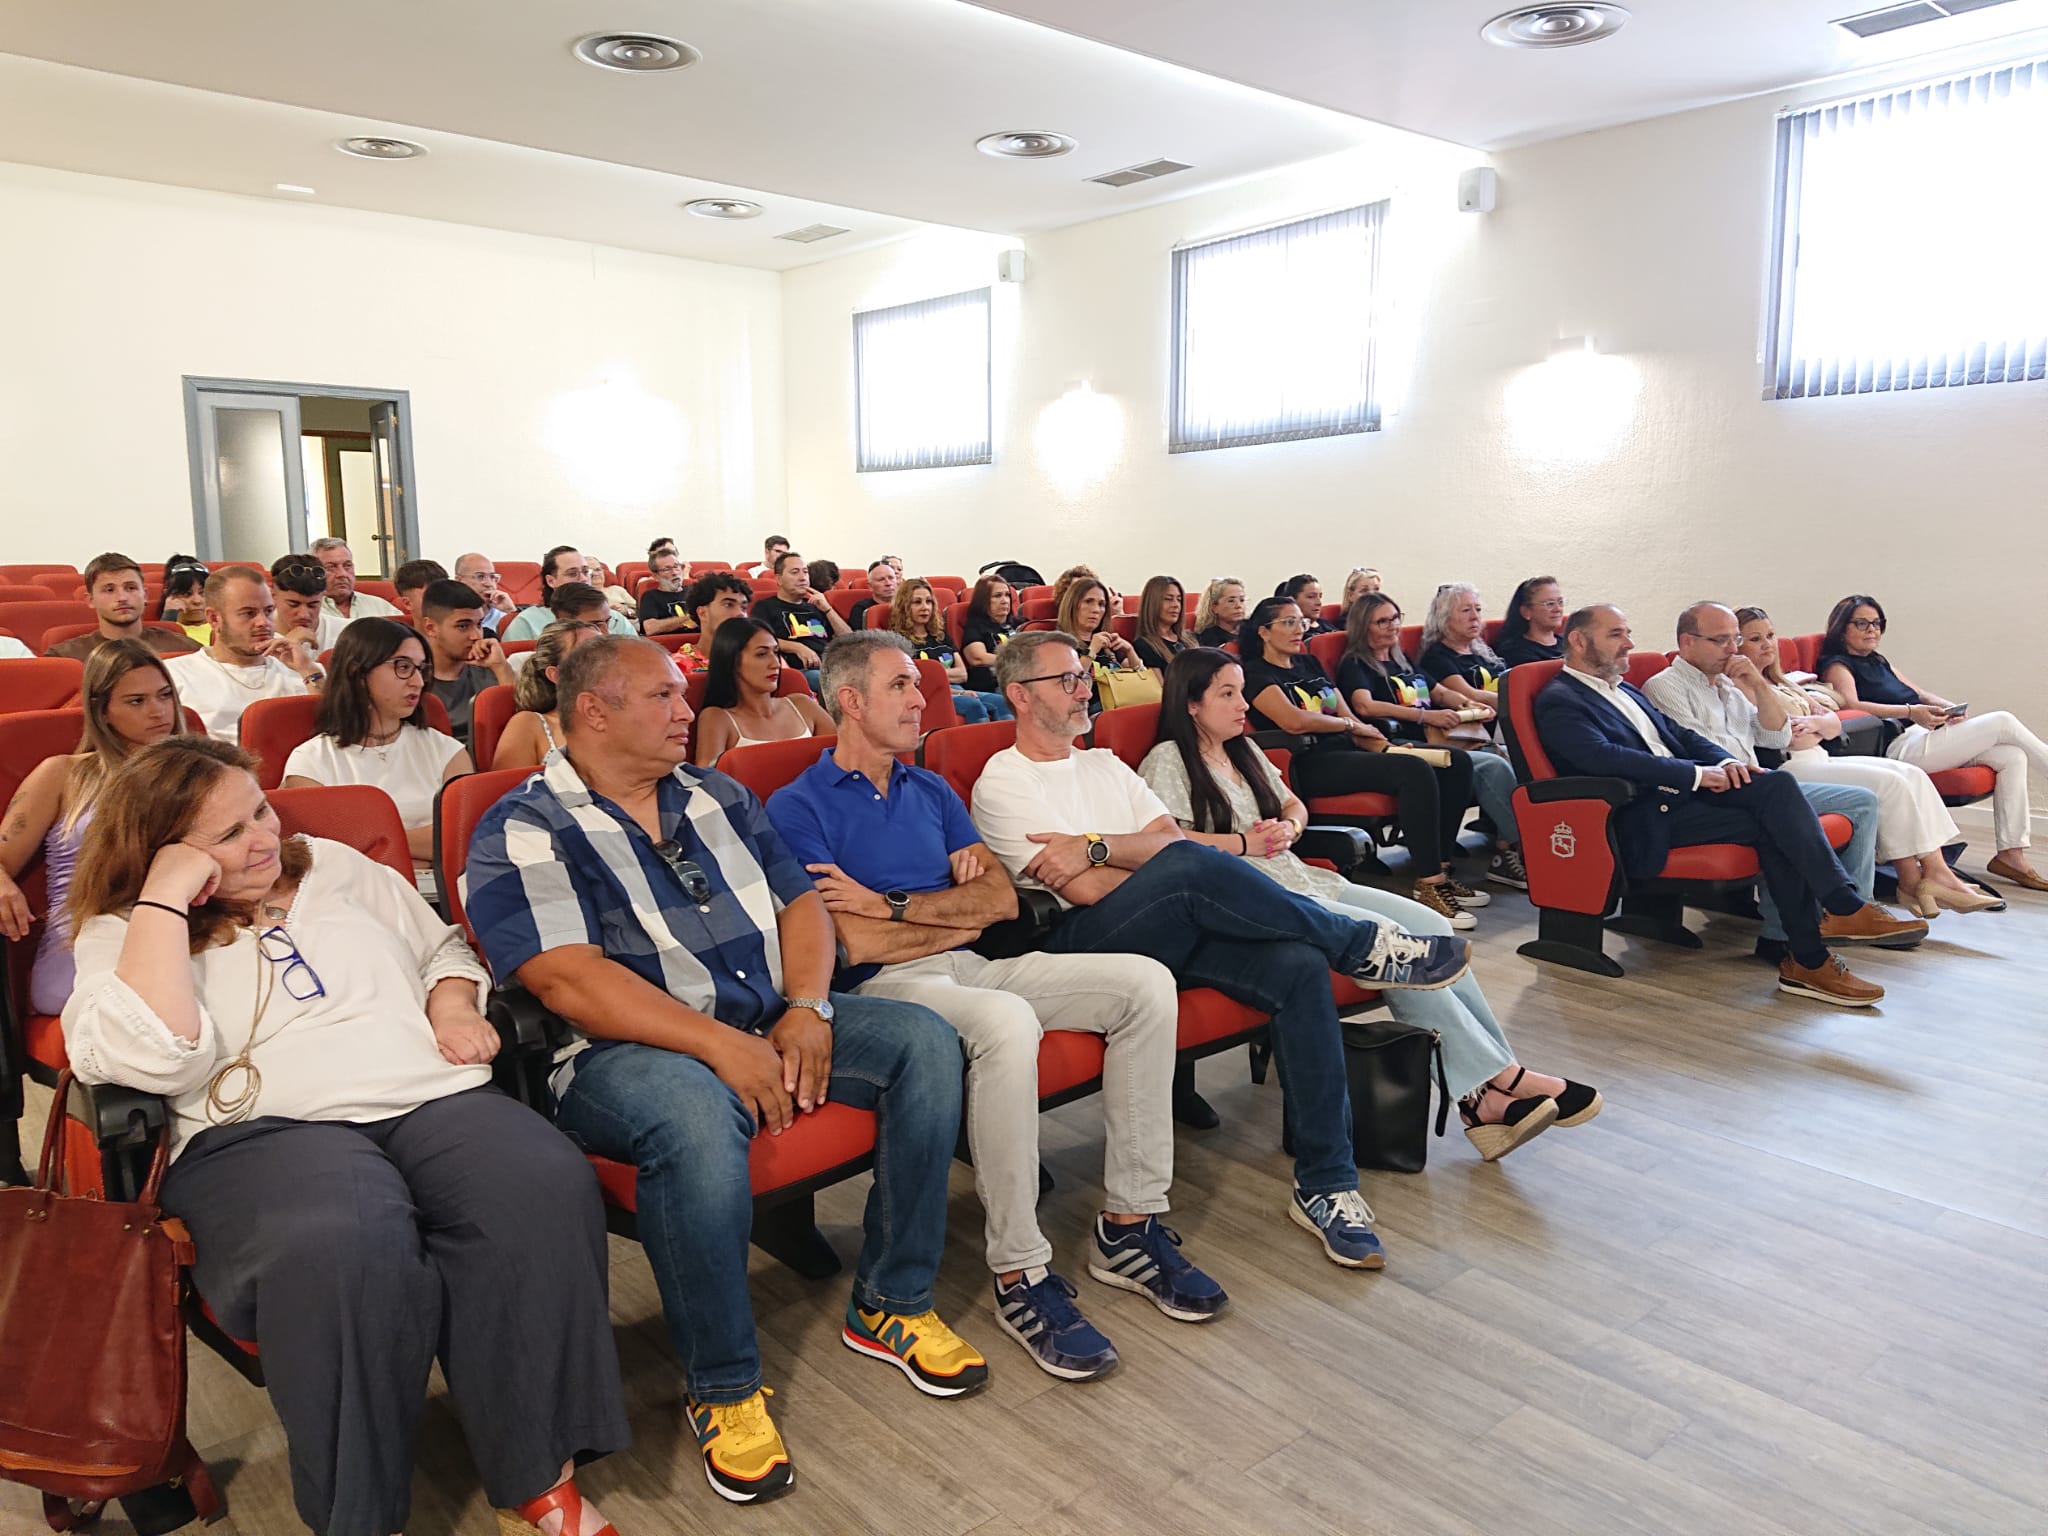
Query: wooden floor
pixel 1791 1281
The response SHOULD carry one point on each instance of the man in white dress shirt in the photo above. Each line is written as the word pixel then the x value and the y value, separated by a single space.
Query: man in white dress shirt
pixel 248 660
pixel 342 596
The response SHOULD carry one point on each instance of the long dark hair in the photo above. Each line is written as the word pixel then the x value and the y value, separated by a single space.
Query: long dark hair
pixel 1068 617
pixel 1513 626
pixel 183 575
pixel 345 698
pixel 1358 633
pixel 1264 612
pixel 722 672
pixel 1152 601
pixel 1188 678
pixel 1836 641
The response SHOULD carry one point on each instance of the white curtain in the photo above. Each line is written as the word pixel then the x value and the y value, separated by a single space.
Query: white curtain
pixel 920 383
pixel 1910 236
pixel 1275 333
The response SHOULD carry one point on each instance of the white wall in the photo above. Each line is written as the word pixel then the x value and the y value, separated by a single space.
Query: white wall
pixel 1685 482
pixel 115 290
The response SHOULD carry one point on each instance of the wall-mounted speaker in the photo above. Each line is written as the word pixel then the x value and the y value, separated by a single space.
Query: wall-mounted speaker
pixel 1013 266
pixel 1476 189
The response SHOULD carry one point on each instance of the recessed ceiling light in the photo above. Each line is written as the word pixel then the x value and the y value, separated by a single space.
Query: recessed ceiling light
pixel 294 187
pixel 1555 26
pixel 1025 144
pixel 372 147
pixel 723 208
pixel 635 53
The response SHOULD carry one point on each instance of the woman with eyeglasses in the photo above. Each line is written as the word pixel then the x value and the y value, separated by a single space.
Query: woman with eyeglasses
pixel 1384 687
pixel 536 730
pixel 1162 629
pixel 1913 826
pixel 914 614
pixel 1344 755
pixel 130 702
pixel 1934 734
pixel 1533 629
pixel 372 728
pixel 1220 612
pixel 361 1200
pixel 991 620
pixel 1226 793
pixel 741 706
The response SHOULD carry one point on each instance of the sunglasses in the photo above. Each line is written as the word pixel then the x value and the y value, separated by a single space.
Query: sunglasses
pixel 696 884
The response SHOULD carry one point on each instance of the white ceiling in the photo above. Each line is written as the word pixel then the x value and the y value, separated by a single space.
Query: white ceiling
pixel 817 107
pixel 1422 65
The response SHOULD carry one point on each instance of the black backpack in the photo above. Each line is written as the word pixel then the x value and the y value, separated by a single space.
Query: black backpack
pixel 1015 572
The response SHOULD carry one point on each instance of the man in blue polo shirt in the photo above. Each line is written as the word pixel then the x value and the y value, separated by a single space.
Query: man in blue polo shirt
pixel 910 886
pixel 651 905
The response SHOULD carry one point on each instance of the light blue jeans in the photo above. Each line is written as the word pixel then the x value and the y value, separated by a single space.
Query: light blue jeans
pixel 1858 855
pixel 1475 1046
pixel 1493 786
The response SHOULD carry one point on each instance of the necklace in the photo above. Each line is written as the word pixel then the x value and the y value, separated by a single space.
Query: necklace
pixel 226 1107
pixel 229 672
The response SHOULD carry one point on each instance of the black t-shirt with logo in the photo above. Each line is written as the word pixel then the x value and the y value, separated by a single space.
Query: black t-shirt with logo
pixel 989 633
pixel 657 604
pixel 804 623
pixel 1304 684
pixel 1409 690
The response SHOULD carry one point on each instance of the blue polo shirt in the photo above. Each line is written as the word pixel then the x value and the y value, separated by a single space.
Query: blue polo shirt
pixel 902 841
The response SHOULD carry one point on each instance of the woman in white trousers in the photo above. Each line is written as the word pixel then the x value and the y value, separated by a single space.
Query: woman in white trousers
pixel 1913 825
pixel 1938 734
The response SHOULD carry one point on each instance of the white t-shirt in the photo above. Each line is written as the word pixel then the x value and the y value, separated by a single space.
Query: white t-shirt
pixel 1084 792
pixel 409 770
pixel 329 629
pixel 220 692
pixel 363 1051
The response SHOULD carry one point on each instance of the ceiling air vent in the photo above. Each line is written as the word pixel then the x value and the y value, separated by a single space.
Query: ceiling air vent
pixel 1912 14
pixel 1130 175
pixel 811 234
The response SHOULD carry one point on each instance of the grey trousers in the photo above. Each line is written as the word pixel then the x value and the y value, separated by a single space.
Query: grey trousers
pixel 355 1255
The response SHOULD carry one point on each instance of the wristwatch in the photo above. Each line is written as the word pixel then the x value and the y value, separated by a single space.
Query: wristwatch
pixel 1098 849
pixel 899 904
pixel 821 1006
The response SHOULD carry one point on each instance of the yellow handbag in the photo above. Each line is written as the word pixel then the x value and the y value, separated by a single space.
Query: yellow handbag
pixel 1116 687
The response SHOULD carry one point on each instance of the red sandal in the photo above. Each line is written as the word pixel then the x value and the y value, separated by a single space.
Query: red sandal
pixel 563 1498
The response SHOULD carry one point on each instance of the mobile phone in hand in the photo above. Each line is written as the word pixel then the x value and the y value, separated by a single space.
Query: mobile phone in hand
pixel 1956 711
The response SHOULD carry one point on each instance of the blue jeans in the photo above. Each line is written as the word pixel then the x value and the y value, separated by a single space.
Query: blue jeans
pixel 1493 786
pixel 1858 855
pixel 1214 922
pixel 673 1119
pixel 977 708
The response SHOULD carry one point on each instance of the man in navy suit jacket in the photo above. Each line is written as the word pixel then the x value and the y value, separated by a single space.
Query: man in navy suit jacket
pixel 1690 791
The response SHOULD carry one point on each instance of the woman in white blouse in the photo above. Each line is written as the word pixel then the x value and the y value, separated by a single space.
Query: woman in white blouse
pixel 373 728
pixel 1225 792
pixel 361 1200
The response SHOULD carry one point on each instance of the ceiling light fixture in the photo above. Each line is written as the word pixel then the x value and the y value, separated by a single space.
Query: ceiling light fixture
pixel 1555 26
pixel 1025 144
pixel 634 53
pixel 294 187
pixel 374 147
pixel 723 208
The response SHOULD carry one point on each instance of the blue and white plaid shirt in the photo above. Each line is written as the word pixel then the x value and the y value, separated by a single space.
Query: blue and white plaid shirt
pixel 553 864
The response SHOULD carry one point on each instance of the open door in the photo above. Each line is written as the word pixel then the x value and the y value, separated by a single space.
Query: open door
pixel 249 477
pixel 391 509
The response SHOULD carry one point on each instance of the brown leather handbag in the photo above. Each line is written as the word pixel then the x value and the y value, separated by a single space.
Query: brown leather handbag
pixel 92 1345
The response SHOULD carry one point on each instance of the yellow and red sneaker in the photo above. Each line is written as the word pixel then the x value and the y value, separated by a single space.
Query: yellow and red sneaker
pixel 937 1360
pixel 745 1460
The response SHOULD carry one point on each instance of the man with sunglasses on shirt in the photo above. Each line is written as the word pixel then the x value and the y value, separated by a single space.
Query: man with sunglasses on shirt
pixel 652 906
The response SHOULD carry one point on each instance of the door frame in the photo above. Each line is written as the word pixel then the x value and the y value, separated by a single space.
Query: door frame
pixel 406 536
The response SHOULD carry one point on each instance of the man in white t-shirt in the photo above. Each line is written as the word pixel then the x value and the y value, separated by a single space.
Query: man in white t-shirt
pixel 342 597
pixel 248 660
pixel 1083 826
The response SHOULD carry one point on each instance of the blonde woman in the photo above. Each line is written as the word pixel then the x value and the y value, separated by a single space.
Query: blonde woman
pixel 1913 826
pixel 1363 579
pixel 536 730
pixel 914 614
pixel 1220 611
pixel 130 702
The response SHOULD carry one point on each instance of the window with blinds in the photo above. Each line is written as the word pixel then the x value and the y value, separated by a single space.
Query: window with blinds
pixel 1275 333
pixel 1909 239
pixel 921 383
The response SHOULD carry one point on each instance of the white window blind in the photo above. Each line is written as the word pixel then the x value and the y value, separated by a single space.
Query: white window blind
pixel 1275 333
pixel 920 383
pixel 1910 239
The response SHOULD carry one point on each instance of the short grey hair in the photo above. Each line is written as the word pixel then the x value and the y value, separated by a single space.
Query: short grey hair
pixel 593 667
pixel 1018 657
pixel 1440 607
pixel 850 659
pixel 321 546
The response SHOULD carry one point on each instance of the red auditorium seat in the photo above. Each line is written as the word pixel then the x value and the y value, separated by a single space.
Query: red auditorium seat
pixel 1644 665
pixel 939 711
pixel 58 634
pixel 1328 651
pixel 1038 608
pixel 488 717
pixel 24 592
pixel 271 728
pixel 29 621
pixel 1574 860
pixel 519 580
pixel 1411 642
pixel 956 624
pixel 842 599
pixel 39 682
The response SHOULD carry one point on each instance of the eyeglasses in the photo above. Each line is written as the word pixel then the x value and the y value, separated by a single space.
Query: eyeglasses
pixel 404 668
pixel 1867 624
pixel 1070 682
pixel 301 981
pixel 696 884
pixel 1293 623
pixel 583 624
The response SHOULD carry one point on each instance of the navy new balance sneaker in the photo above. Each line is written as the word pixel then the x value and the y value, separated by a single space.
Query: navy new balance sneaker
pixel 1038 1311
pixel 1343 1223
pixel 1401 961
pixel 1145 1257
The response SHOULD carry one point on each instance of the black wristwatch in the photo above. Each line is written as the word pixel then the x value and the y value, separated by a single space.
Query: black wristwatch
pixel 1098 849
pixel 899 904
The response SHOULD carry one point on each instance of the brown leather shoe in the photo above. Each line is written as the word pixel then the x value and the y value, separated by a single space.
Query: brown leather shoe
pixel 1830 982
pixel 2026 879
pixel 1873 924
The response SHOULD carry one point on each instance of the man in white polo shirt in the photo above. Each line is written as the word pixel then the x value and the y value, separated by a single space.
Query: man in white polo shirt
pixel 248 659
pixel 342 597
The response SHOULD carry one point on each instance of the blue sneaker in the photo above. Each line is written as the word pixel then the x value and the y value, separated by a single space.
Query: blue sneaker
pixel 1343 1222
pixel 1145 1257
pixel 1400 961
pixel 1038 1311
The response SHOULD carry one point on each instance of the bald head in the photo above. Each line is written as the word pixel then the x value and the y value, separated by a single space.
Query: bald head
pixel 1709 637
